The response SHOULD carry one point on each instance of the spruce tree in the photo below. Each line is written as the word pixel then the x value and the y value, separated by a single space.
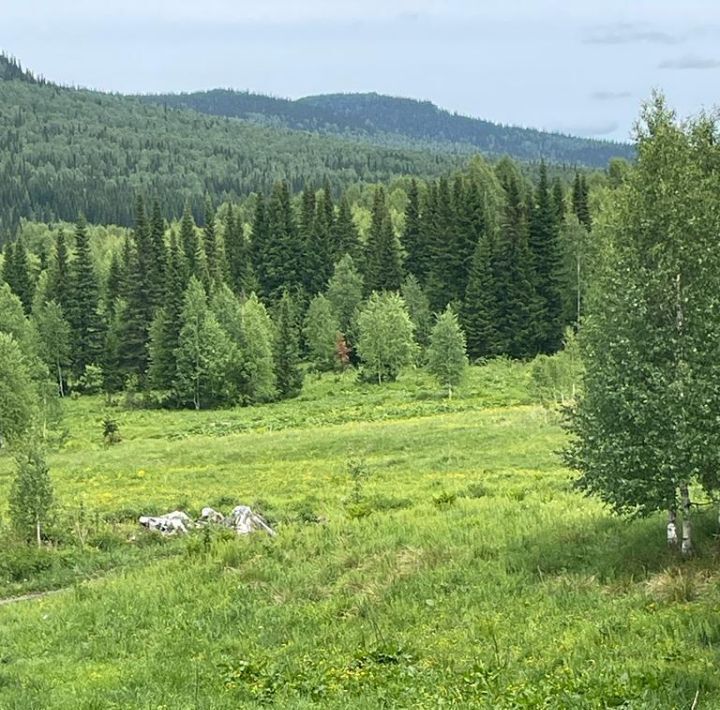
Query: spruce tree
pixel 287 349
pixel 19 275
pixel 168 322
pixel 346 239
pixel 514 292
pixel 84 300
pixel 480 306
pixel 383 260
pixel 580 201
pixel 158 261
pixel 546 259
pixel 412 238
pixel 188 239
pixel 210 243
pixel 558 200
pixel 240 272
pixel 260 248
pixel 442 247
pixel 418 307
pixel 59 280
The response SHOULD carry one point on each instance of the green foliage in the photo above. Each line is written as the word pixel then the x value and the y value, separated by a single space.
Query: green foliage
pixel 645 424
pixel 288 375
pixel 204 353
pixel 258 341
pixel 18 397
pixel 321 331
pixel 557 378
pixel 419 309
pixel 447 356
pixel 31 495
pixel 385 337
pixel 398 123
pixel 345 293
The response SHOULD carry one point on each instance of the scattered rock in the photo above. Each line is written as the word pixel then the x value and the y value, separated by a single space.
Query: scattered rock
pixel 241 519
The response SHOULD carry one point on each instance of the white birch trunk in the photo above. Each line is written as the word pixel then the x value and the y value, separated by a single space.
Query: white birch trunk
pixel 37 532
pixel 672 538
pixel 686 546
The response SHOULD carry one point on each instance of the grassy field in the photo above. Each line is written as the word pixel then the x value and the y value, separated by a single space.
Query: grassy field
pixel 463 571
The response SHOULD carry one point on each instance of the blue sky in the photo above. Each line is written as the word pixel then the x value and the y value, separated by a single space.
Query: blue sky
pixel 579 67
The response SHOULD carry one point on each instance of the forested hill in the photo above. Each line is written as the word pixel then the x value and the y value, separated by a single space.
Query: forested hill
pixel 65 151
pixel 400 123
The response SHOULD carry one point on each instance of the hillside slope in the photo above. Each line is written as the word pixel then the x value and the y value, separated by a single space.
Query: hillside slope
pixel 65 150
pixel 398 122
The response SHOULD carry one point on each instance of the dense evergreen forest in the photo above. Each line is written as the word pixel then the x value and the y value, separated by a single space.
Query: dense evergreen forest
pixel 65 151
pixel 225 313
pixel 399 123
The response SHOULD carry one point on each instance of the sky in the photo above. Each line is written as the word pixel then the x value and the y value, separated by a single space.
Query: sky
pixel 580 67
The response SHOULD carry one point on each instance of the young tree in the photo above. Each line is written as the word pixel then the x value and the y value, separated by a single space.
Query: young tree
pixel 203 353
pixel 447 357
pixel 31 495
pixel 257 351
pixel 321 331
pixel 419 309
pixel 345 293
pixel 53 340
pixel 645 427
pixel 18 396
pixel 385 336
pixel 480 307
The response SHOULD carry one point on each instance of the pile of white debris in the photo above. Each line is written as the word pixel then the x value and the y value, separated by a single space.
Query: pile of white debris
pixel 242 519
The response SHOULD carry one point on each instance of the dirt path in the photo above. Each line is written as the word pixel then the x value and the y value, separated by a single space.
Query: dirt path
pixel 29 597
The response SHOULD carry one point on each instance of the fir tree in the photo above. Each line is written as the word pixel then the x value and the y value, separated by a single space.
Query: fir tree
pixel 383 260
pixel 18 274
pixel 580 201
pixel 346 238
pixel 412 239
pixel 158 257
pixel 210 243
pixel 59 281
pixel 516 301
pixel 418 307
pixel 287 349
pixel 188 239
pixel 546 259
pixel 260 247
pixel 84 299
pixel 480 306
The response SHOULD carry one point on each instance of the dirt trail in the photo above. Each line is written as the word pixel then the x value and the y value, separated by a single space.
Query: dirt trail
pixel 30 596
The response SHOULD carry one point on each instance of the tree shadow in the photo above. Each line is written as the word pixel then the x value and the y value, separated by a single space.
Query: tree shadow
pixel 613 548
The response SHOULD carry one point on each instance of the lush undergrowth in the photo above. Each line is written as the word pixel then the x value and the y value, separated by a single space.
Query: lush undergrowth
pixel 461 571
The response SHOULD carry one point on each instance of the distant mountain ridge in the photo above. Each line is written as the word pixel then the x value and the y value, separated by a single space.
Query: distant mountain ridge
pixel 399 123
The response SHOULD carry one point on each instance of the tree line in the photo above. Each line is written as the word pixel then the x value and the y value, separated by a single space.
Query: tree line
pixel 224 313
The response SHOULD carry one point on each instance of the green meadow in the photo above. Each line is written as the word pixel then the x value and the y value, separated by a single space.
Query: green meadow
pixel 457 567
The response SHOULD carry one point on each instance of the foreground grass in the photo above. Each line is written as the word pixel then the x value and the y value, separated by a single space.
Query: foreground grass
pixel 480 580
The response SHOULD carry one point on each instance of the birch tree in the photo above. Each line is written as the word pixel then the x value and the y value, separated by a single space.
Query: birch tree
pixel 447 356
pixel 31 495
pixel 646 429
